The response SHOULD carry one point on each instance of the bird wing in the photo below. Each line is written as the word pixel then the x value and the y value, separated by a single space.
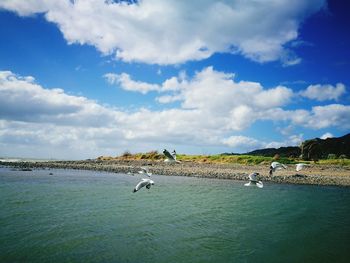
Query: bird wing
pixel 299 166
pixel 141 184
pixel 168 155
pixel 275 164
pixel 260 184
pixel 149 183
pixel 146 170
pixel 278 166
pixel 174 155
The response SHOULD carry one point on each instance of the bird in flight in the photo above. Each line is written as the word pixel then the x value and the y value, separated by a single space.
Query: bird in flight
pixel 254 181
pixel 300 166
pixel 144 182
pixel 145 170
pixel 170 157
pixel 276 166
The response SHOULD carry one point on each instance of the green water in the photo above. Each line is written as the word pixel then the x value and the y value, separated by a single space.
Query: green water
pixel 84 216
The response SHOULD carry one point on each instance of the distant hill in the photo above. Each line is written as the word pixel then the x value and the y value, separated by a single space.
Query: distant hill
pixel 313 149
pixel 290 151
pixel 321 149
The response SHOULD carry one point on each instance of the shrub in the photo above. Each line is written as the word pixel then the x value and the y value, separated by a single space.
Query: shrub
pixel 342 156
pixel 276 157
pixel 126 154
pixel 331 156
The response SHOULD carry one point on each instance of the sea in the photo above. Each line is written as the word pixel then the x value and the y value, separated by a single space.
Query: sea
pixel 87 216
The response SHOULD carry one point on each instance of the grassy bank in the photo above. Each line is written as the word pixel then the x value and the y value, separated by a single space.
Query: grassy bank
pixel 222 159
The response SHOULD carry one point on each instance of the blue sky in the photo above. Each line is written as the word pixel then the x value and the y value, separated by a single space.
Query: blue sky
pixel 80 79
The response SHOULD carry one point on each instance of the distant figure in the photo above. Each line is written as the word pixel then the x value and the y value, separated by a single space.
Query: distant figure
pixel 145 170
pixel 171 157
pixel 300 166
pixel 144 182
pixel 276 166
pixel 254 181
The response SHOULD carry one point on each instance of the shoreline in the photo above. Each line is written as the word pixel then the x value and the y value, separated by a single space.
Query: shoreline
pixel 327 175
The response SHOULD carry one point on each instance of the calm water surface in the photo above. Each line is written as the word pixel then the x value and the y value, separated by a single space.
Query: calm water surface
pixel 84 216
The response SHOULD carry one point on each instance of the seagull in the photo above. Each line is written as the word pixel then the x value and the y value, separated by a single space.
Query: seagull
pixel 171 157
pixel 144 182
pixel 145 170
pixel 254 181
pixel 276 166
pixel 300 166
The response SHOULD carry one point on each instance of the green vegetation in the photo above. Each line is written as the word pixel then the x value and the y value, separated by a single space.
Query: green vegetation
pixel 343 162
pixel 223 158
pixel 240 159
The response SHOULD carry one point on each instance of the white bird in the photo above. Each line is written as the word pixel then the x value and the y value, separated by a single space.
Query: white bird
pixel 254 181
pixel 276 166
pixel 145 170
pixel 144 182
pixel 300 166
pixel 171 157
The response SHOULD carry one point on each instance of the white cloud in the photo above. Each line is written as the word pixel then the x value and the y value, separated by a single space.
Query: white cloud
pixel 23 100
pixel 212 106
pixel 247 144
pixel 125 82
pixel 171 32
pixel 243 142
pixel 235 105
pixel 327 135
pixel 330 115
pixel 324 92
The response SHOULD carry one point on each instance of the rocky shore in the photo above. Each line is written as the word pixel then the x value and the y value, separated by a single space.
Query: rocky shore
pixel 314 174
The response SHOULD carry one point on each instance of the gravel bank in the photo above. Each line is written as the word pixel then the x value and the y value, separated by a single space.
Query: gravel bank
pixel 314 174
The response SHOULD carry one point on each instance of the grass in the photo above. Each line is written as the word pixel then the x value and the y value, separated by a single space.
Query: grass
pixel 343 162
pixel 222 159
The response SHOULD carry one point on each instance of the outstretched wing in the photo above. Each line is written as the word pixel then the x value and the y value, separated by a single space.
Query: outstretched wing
pixel 141 184
pixel 168 155
pixel 145 170
pixel 278 166
pixel 260 184
pixel 299 166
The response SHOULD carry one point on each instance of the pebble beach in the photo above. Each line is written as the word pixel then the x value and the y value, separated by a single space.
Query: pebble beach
pixel 314 174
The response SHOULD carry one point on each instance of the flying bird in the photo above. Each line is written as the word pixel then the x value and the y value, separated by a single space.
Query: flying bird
pixel 300 166
pixel 254 181
pixel 144 182
pixel 145 170
pixel 171 157
pixel 276 166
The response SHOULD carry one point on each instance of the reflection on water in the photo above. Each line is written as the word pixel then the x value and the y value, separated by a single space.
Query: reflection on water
pixel 94 217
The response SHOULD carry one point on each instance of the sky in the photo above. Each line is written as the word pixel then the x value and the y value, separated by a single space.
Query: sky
pixel 85 78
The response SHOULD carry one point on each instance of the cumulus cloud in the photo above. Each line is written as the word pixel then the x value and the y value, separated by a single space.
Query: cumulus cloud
pixel 247 144
pixel 23 100
pixel 235 105
pixel 212 106
pixel 125 82
pixel 330 115
pixel 243 142
pixel 172 32
pixel 324 92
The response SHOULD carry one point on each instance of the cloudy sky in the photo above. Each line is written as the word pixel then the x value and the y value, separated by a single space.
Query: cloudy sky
pixel 84 78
